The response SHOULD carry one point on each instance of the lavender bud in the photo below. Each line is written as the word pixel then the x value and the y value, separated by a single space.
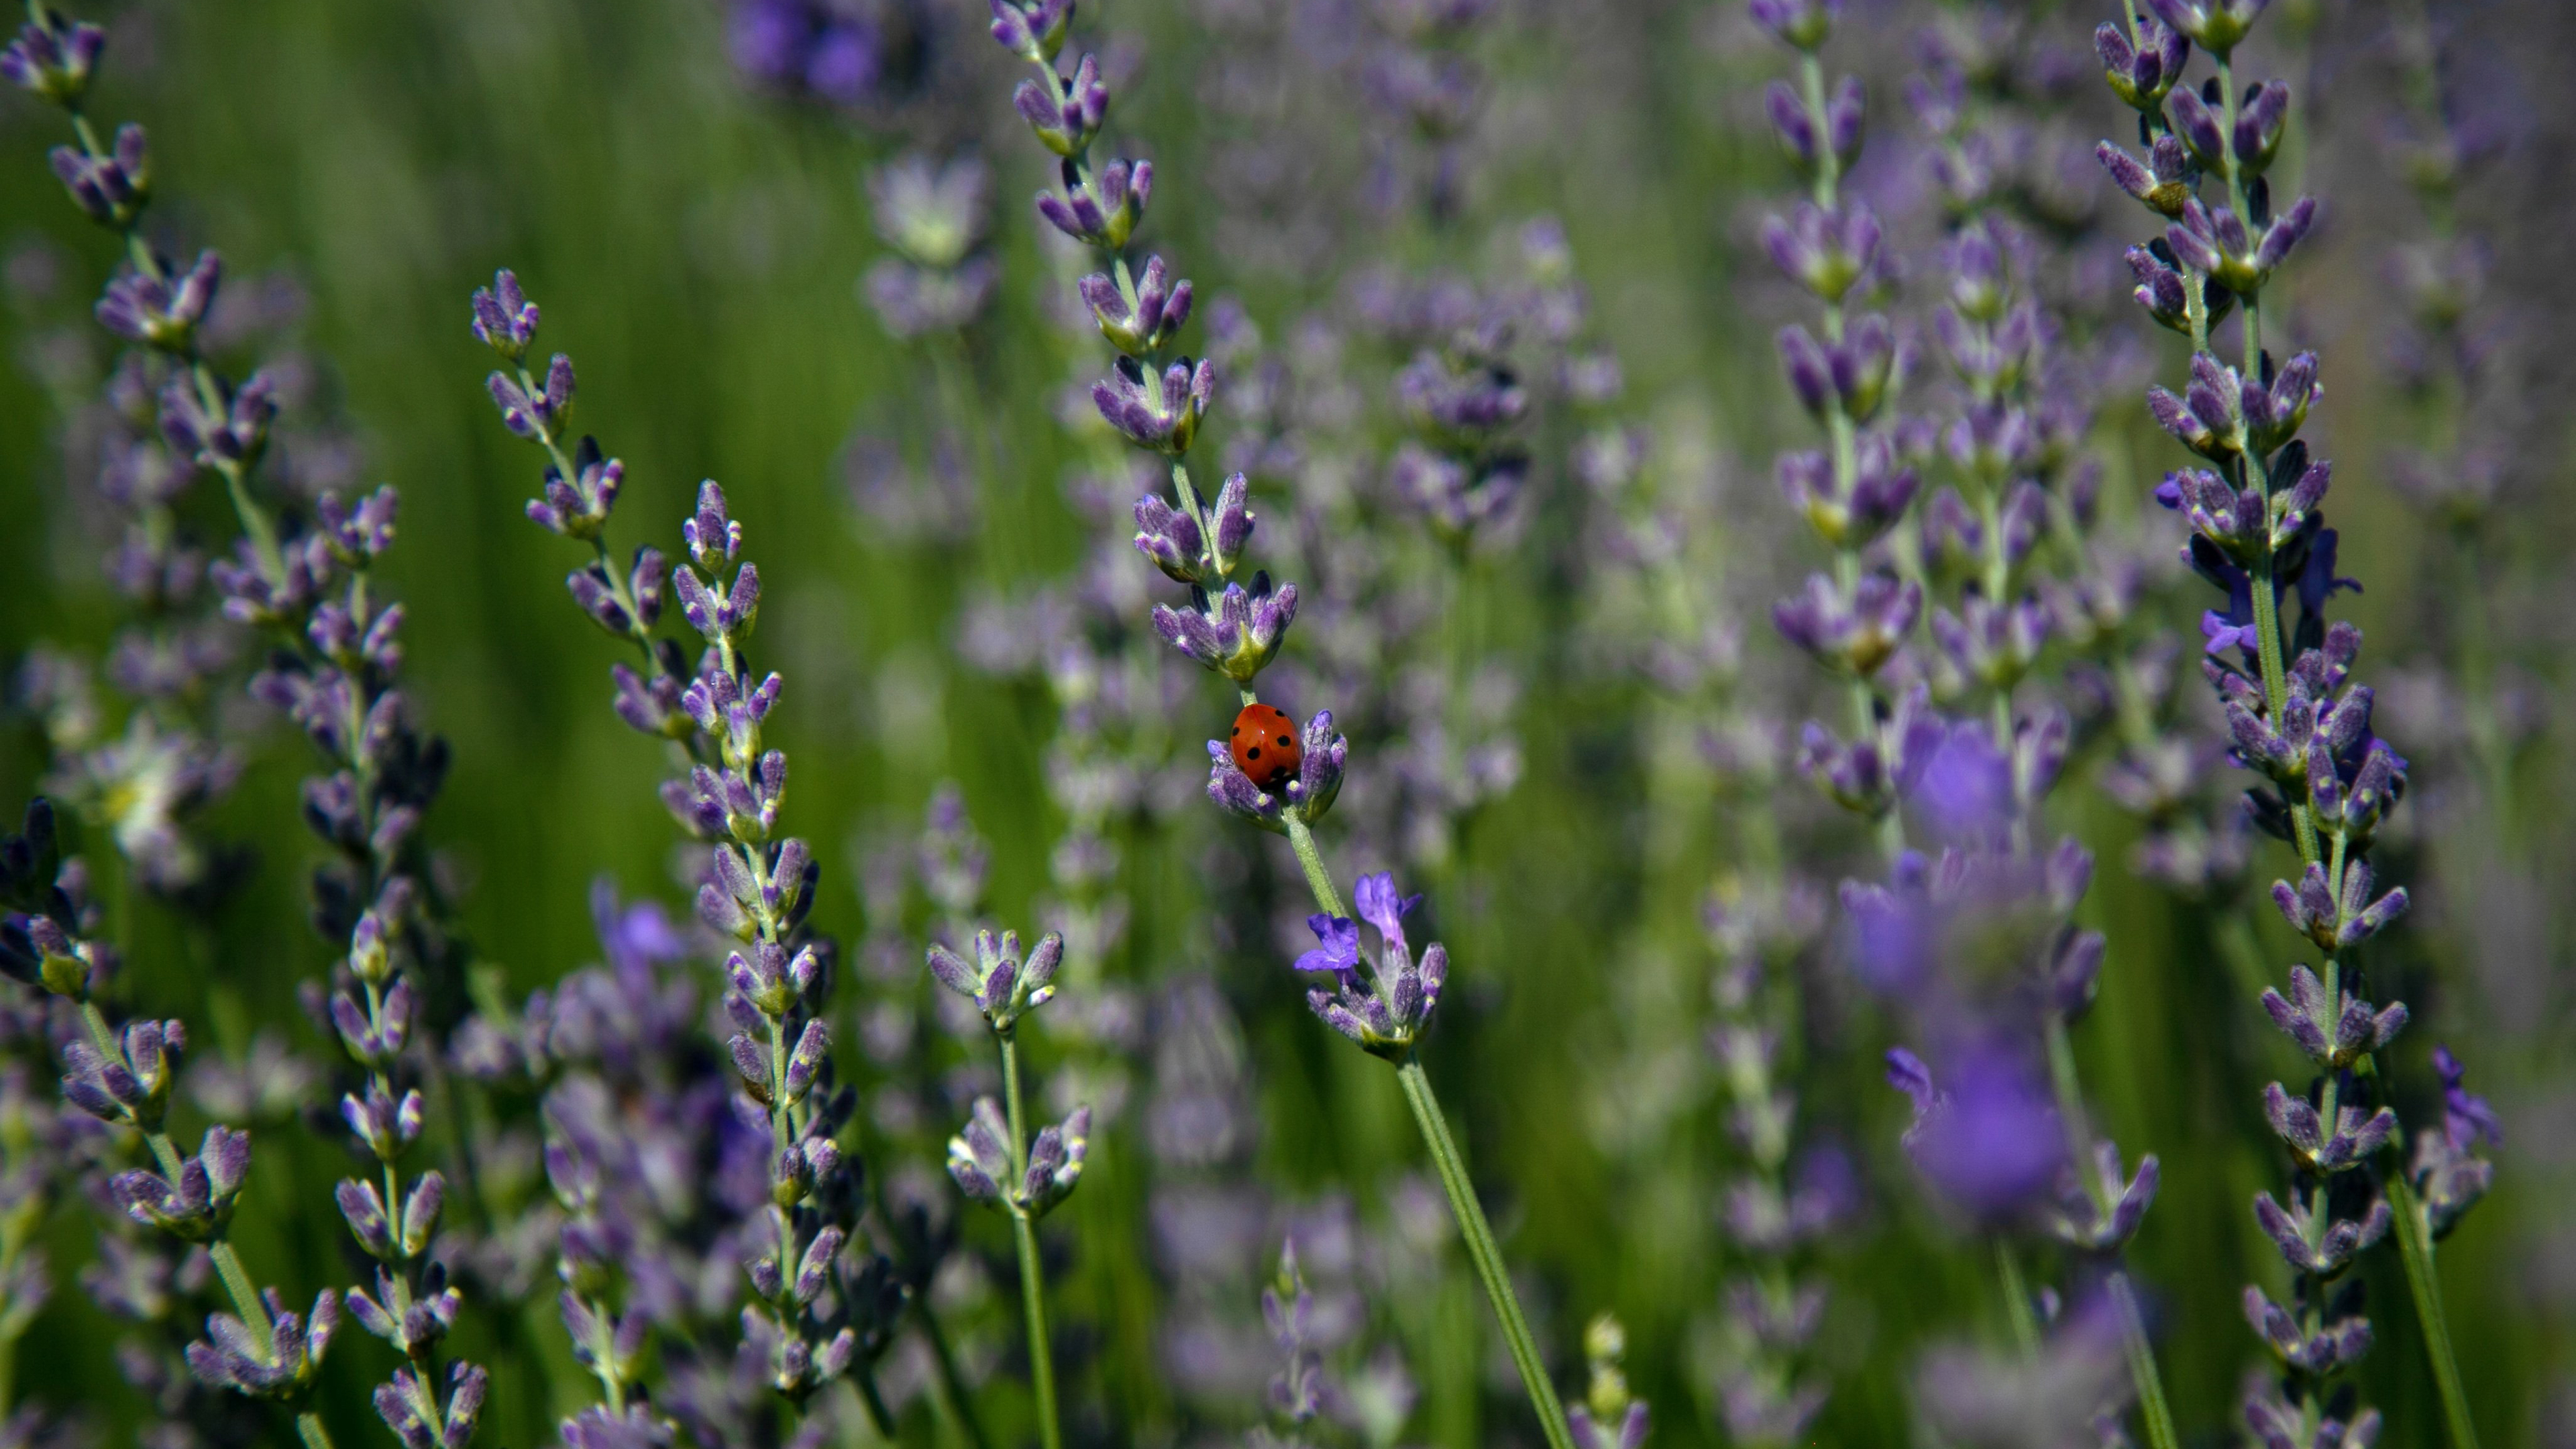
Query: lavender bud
pixel 2259 122
pixel 1158 412
pixel 1854 633
pixel 1171 538
pixel 1055 1162
pixel 1066 121
pixel 504 318
pixel 979 1157
pixel 813 1049
pixel 1825 252
pixel 1791 123
pixel 814 1271
pixel 578 507
pixel 1803 24
pixel 110 189
pixel 421 1211
pixel 1234 522
pixel 161 313
pixel 364 1210
pixel 1032 31
pixel 2214 25
pixel 53 58
pixel 2143 76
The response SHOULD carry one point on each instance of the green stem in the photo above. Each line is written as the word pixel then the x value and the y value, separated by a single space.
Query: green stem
pixel 1024 1238
pixel 2142 1366
pixel 950 1385
pixel 1483 1251
pixel 2133 1329
pixel 2025 1326
pixel 1479 1235
pixel 1318 878
pixel 254 1314
pixel 878 1417
pixel 2415 1246
pixel 308 1427
pixel 1811 87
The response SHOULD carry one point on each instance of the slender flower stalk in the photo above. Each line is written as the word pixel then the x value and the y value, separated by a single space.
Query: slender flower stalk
pixel 996 1160
pixel 1858 488
pixel 2022 498
pixel 335 678
pixel 261 1349
pixel 2295 717
pixel 1156 400
pixel 820 1313
pixel 221 427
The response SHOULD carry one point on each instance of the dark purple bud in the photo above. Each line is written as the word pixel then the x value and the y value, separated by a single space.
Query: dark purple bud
pixel 1791 123
pixel 2199 129
pixel 364 1210
pixel 2258 127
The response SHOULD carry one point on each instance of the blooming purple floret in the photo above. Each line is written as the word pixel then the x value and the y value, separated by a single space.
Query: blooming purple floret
pixel 1384 1006
pixel 1337 949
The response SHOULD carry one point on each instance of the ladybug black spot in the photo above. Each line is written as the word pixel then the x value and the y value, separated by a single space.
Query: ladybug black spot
pixel 1285 742
pixel 1253 754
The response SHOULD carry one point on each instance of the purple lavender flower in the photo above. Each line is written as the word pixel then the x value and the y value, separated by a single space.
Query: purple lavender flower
pixel 2293 717
pixel 1384 1004
pixel 850 55
pixel 1854 630
pixel 1237 633
pixel 1986 1133
pixel 52 57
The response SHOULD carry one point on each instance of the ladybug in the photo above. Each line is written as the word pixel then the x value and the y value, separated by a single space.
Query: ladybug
pixel 1265 747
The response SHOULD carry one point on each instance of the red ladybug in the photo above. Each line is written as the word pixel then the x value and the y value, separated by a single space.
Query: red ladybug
pixel 1265 747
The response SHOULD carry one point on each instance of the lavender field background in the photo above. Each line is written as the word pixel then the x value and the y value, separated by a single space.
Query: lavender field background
pixel 789 246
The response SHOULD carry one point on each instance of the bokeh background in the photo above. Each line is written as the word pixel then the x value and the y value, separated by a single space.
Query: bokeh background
pixel 697 236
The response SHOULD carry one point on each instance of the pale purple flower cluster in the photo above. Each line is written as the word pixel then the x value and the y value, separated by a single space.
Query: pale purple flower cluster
pixel 932 215
pixel 856 56
pixel 1784 1200
pixel 1859 488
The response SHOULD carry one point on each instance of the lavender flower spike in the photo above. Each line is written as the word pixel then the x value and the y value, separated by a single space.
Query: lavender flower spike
pixel 2293 716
